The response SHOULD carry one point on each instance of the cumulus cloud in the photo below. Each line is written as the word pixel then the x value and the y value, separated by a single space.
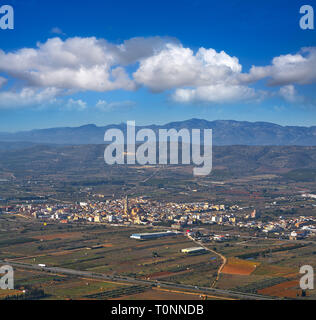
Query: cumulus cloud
pixel 76 63
pixel 299 68
pixel 204 76
pixel 176 66
pixel 27 97
pixel 160 64
pixel 218 93
pixel 79 63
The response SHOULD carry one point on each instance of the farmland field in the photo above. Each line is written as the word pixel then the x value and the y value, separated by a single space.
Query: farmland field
pixel 264 266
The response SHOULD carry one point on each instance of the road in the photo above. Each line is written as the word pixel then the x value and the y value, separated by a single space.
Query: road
pixel 224 259
pixel 151 283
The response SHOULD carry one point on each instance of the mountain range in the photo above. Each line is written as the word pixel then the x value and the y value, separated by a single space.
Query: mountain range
pixel 225 132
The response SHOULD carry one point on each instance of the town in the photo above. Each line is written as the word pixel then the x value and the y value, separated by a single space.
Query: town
pixel 177 216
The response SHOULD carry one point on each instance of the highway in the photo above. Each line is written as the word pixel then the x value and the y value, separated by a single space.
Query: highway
pixel 161 284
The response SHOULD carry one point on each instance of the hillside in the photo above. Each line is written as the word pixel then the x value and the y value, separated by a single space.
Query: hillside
pixel 225 132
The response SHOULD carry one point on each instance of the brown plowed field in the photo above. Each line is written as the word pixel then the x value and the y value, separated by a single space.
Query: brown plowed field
pixel 239 267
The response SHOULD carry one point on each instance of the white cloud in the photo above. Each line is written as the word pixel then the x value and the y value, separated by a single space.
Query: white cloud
pixel 110 106
pixel 176 66
pixel 287 69
pixel 27 97
pixel 76 104
pixel 204 76
pixel 218 93
pixel 159 64
pixel 76 63
pixel 289 93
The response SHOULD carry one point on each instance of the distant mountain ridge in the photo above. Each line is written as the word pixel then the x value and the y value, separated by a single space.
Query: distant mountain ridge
pixel 225 132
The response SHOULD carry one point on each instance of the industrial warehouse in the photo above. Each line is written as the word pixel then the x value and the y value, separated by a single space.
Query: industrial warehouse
pixel 155 235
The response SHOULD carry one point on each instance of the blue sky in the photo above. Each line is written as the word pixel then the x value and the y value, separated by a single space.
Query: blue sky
pixel 69 63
